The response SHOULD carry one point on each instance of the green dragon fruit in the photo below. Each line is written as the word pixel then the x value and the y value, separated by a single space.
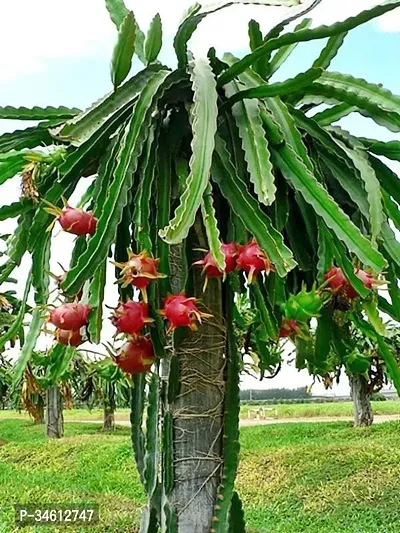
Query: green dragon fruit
pixel 303 306
pixel 356 363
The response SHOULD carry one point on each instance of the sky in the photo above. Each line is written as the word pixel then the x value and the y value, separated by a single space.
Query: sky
pixel 57 52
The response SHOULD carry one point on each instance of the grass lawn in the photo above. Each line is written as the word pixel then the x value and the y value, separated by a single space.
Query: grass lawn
pixel 294 478
pixel 311 410
pixel 283 411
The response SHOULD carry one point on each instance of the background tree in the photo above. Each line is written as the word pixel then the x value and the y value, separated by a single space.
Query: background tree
pixel 185 159
pixel 31 396
pixel 298 395
pixel 356 352
pixel 5 380
pixel 49 381
pixel 11 331
pixel 368 373
pixel 359 358
pixel 106 385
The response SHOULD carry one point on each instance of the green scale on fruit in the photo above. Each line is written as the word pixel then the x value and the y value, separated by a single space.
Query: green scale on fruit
pixel 304 305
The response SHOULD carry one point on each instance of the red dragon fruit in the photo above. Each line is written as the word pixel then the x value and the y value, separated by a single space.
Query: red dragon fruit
pixel 208 262
pixel 73 220
pixel 182 311
pixel 77 221
pixel 367 278
pixel 70 316
pixel 336 279
pixel 289 328
pixel 136 356
pixel 253 260
pixel 339 283
pixel 69 338
pixel 131 317
pixel 140 270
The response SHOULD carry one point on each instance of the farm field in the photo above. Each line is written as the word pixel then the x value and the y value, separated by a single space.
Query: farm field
pixel 283 411
pixel 319 478
pixel 312 410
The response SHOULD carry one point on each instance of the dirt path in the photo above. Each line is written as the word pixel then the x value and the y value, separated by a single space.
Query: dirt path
pixel 378 419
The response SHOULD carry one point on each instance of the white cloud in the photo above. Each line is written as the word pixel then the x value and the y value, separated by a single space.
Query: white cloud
pixel 390 22
pixel 227 29
pixel 32 33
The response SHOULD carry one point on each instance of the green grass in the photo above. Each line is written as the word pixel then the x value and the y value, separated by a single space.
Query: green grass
pixel 311 410
pixel 85 466
pixel 336 409
pixel 95 414
pixel 319 478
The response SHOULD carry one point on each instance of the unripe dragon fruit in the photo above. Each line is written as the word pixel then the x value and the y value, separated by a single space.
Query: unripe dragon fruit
pixel 131 317
pixel 140 270
pixel 70 316
pixel 69 338
pixel 253 260
pixel 303 306
pixel 136 356
pixel 208 262
pixel 182 311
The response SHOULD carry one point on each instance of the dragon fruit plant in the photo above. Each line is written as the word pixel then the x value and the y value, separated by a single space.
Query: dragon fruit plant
pixel 211 155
